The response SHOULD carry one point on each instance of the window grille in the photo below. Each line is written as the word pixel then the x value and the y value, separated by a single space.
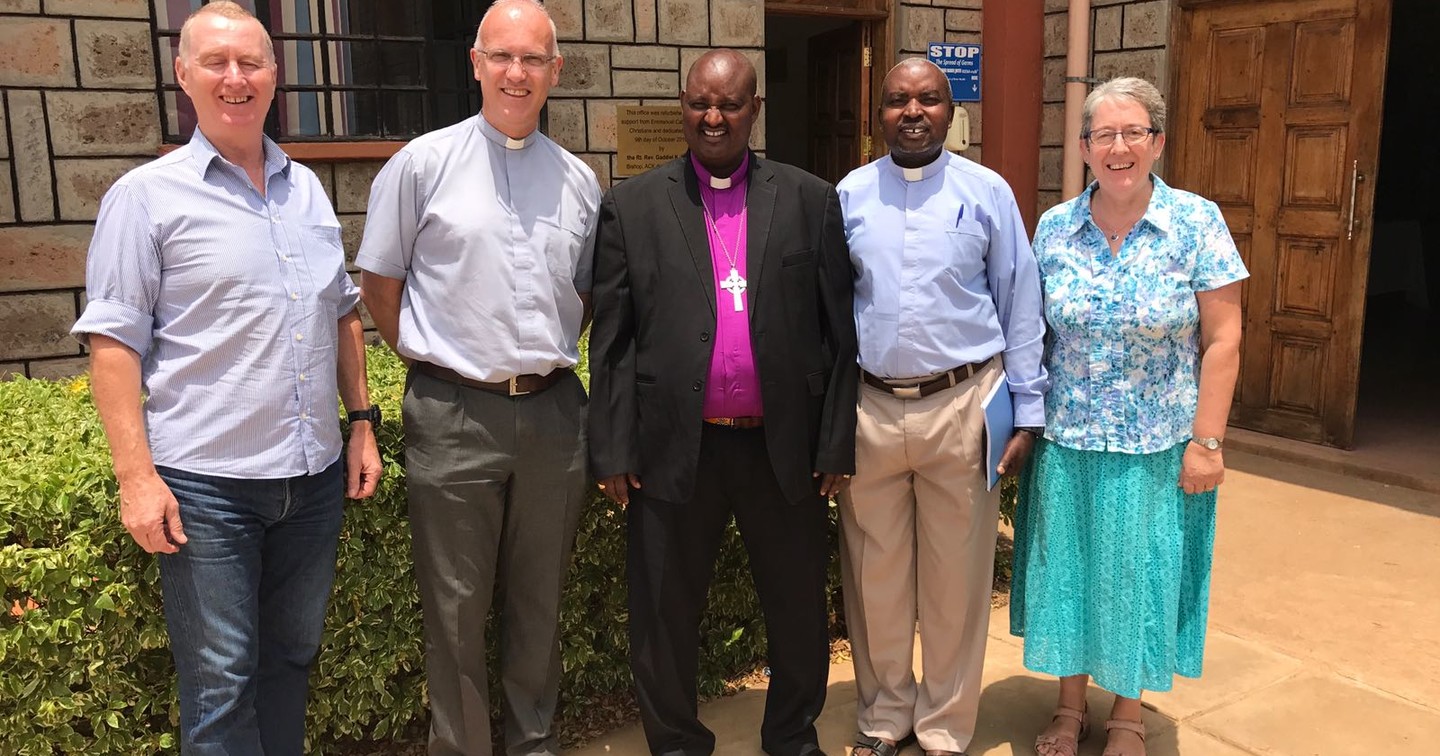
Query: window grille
pixel 346 69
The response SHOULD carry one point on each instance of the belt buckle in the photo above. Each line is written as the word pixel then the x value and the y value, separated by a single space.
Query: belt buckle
pixel 906 392
pixel 724 422
pixel 514 389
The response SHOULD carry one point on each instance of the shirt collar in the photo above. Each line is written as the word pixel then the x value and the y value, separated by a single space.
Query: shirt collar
pixel 733 181
pixel 932 168
pixel 501 138
pixel 204 154
pixel 1159 213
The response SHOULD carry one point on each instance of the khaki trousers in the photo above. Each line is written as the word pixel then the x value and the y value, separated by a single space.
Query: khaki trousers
pixel 918 540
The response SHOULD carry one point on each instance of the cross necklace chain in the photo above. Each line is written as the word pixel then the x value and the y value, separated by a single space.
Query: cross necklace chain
pixel 733 283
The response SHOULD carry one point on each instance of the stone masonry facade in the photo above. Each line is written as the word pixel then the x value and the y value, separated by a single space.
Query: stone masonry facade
pixel 77 85
pixel 1127 38
pixel 635 52
pixel 77 78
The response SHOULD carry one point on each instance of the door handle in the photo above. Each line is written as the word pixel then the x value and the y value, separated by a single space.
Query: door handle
pixel 1355 179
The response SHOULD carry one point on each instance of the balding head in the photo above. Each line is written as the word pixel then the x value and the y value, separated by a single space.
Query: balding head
pixel 719 107
pixel 915 112
pixel 922 68
pixel 724 64
pixel 516 10
pixel 516 63
pixel 221 9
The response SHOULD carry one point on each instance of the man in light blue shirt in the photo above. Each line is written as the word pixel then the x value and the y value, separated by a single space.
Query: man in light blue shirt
pixel 216 286
pixel 947 304
pixel 477 260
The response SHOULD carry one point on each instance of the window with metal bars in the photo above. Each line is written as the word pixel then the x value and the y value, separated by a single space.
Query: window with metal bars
pixel 347 70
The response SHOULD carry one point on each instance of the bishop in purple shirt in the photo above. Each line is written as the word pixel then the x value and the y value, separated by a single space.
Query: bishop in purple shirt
pixel 723 383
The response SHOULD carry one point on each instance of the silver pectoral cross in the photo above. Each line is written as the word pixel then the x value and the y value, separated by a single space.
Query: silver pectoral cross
pixel 736 286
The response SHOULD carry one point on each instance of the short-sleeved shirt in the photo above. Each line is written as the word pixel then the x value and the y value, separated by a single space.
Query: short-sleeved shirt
pixel 495 239
pixel 1124 350
pixel 231 299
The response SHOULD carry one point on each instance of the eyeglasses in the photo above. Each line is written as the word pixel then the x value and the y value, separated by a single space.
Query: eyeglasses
pixel 503 59
pixel 1133 135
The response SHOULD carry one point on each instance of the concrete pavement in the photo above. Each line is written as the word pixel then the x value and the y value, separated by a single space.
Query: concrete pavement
pixel 1324 638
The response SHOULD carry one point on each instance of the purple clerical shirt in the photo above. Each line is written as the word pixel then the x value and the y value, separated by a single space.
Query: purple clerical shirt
pixel 734 387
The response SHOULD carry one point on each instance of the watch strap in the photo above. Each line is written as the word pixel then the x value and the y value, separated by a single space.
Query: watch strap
pixel 372 413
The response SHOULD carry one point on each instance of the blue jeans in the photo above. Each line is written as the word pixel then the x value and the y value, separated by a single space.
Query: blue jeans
pixel 245 605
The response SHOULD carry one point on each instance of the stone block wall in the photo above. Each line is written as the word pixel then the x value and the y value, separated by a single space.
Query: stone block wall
pixel 920 22
pixel 1127 38
pixel 77 79
pixel 77 86
pixel 636 52
pixel 78 110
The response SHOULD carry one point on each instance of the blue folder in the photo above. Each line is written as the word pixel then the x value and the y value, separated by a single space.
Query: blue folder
pixel 999 426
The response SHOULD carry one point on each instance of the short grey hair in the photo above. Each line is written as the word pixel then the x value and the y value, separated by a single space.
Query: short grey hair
pixel 224 9
pixel 1130 88
pixel 502 4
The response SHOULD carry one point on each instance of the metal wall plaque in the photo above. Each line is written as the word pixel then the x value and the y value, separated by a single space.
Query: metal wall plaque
pixel 646 136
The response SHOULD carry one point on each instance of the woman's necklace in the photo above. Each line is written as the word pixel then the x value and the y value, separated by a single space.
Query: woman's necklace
pixel 1115 236
pixel 1119 229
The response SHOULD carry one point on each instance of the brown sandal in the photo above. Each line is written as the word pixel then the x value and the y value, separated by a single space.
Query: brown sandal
pixel 1064 745
pixel 1130 726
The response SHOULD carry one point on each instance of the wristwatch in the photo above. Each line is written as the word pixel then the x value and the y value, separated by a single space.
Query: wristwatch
pixel 372 414
pixel 1210 443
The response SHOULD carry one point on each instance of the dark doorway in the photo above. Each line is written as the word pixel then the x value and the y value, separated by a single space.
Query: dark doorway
pixel 1399 406
pixel 813 81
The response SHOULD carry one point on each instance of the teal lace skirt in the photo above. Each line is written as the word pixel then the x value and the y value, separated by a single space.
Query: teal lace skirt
pixel 1112 568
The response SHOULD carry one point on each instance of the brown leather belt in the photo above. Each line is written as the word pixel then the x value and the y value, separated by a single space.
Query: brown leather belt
pixel 912 390
pixel 517 386
pixel 739 423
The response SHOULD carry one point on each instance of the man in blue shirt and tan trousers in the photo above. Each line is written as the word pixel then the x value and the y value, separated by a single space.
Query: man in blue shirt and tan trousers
pixel 947 303
pixel 217 287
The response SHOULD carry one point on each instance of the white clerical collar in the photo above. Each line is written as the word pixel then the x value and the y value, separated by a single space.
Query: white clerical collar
pixel 501 138
pixel 923 172
pixel 721 183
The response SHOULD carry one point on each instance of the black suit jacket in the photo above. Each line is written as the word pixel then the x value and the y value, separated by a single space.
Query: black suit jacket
pixel 651 343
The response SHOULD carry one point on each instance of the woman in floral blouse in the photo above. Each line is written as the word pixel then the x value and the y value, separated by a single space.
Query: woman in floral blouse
pixel 1117 510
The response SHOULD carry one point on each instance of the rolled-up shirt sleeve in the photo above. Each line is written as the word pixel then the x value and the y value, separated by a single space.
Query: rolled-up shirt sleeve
pixel 122 272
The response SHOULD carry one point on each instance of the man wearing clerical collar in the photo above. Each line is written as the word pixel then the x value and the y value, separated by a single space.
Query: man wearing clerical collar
pixel 723 383
pixel 477 259
pixel 947 303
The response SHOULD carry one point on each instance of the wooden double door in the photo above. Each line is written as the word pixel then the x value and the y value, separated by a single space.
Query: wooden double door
pixel 1277 119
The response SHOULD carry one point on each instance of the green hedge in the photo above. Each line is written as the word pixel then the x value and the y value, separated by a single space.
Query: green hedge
pixel 84 665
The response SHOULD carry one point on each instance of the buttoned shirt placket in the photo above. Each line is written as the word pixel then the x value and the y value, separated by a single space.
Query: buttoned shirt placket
pixel 292 267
